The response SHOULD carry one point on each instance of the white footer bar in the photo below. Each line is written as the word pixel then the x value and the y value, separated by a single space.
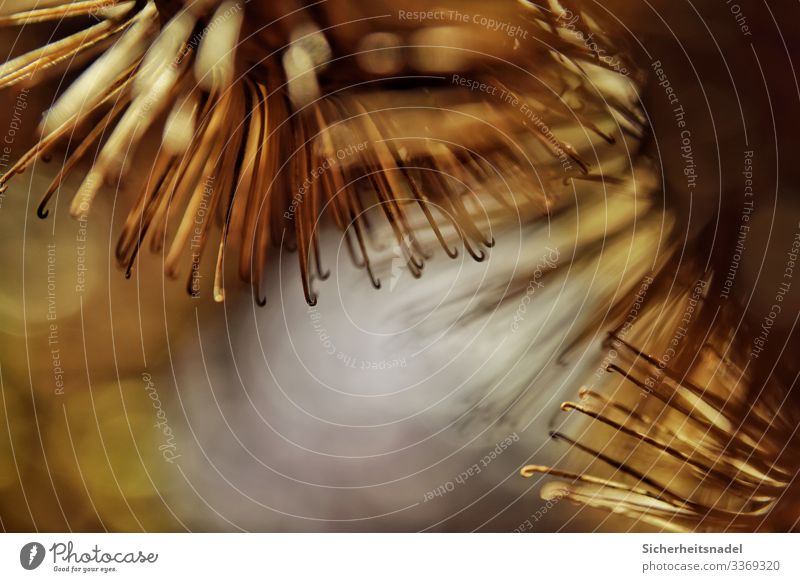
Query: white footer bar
pixel 378 557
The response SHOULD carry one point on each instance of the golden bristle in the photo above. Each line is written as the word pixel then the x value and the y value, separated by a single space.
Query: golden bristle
pixel 258 130
pixel 683 456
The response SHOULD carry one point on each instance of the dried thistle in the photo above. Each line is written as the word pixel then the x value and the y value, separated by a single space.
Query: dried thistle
pixel 255 101
pixel 692 438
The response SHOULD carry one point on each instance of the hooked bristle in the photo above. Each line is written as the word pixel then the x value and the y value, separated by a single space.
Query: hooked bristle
pixel 259 142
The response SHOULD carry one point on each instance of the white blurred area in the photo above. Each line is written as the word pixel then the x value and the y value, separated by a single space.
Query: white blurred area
pixel 347 416
pixel 407 408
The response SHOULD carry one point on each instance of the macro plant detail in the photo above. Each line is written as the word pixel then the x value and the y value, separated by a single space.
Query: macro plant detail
pixel 623 183
pixel 252 120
